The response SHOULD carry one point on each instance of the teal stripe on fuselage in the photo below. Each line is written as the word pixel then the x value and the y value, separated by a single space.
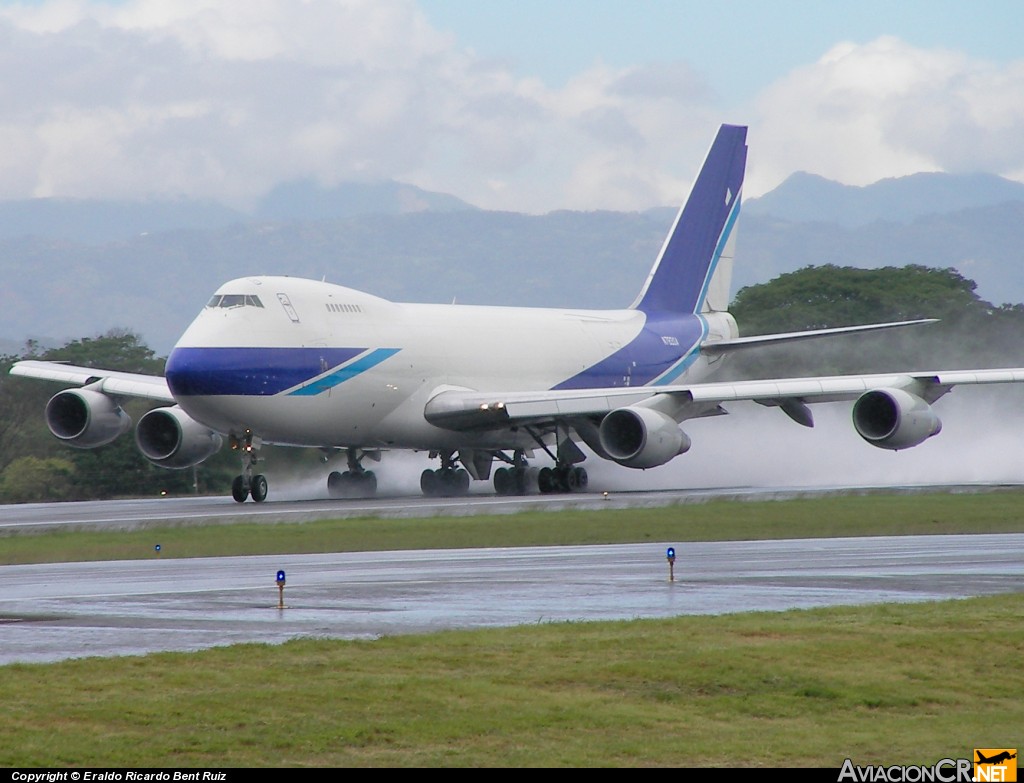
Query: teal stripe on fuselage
pixel 346 373
pixel 670 375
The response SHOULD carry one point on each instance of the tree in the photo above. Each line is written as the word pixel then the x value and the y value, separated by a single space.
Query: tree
pixel 22 429
pixel 118 349
pixel 31 479
pixel 972 333
pixel 817 297
pixel 115 470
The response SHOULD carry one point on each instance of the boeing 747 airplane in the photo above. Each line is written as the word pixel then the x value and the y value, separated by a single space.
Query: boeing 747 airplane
pixel 280 360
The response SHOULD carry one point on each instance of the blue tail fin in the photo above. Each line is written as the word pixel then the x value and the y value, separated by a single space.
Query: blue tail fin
pixel 681 278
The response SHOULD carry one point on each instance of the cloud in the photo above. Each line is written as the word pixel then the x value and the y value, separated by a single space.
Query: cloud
pixel 218 99
pixel 215 99
pixel 224 100
pixel 864 112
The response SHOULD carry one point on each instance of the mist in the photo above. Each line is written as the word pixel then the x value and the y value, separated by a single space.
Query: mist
pixel 759 447
pixel 756 446
pixel 398 475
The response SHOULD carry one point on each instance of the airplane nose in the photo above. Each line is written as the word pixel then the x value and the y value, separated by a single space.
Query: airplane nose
pixel 252 371
pixel 206 372
pixel 182 377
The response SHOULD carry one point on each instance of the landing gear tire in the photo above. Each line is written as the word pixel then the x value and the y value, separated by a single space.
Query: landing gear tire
pixel 581 479
pixel 513 481
pixel 368 483
pixel 259 488
pixel 335 484
pixel 446 482
pixel 239 491
pixel 429 483
pixel 352 485
pixel 569 480
pixel 562 479
pixel 546 480
pixel 503 482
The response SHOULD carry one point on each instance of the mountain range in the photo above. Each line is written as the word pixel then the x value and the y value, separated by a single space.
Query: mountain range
pixel 78 268
pixel 808 198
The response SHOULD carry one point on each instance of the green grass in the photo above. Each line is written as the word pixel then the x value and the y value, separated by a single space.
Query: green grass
pixel 883 684
pixel 887 684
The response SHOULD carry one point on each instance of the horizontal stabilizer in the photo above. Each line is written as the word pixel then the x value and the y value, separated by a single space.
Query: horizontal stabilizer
pixel 759 341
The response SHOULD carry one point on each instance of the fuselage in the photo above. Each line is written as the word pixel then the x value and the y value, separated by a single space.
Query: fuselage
pixel 309 363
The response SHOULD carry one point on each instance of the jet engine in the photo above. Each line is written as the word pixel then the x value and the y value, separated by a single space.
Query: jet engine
pixel 85 419
pixel 641 437
pixel 170 438
pixel 894 419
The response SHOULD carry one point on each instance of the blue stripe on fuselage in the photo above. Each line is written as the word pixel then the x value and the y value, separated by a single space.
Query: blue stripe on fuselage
pixel 651 357
pixel 253 371
pixel 345 373
pixel 684 362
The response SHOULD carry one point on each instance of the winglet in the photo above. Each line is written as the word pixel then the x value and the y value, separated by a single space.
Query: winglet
pixel 697 249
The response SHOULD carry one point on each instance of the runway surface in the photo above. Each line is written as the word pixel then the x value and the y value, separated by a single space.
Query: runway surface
pixel 53 612
pixel 157 512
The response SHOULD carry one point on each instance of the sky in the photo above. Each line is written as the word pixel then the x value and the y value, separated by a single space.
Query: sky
pixel 525 106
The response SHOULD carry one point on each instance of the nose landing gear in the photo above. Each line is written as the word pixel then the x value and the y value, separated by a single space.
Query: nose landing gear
pixel 249 482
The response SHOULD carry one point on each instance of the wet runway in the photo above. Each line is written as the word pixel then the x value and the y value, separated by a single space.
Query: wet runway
pixel 157 512
pixel 52 612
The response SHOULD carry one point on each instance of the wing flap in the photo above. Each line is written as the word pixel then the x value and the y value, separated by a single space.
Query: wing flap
pixel 823 389
pixel 464 409
pixel 571 405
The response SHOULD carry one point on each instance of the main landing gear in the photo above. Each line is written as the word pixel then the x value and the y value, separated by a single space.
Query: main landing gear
pixel 565 476
pixel 514 480
pixel 562 478
pixel 519 478
pixel 356 482
pixel 447 481
pixel 249 482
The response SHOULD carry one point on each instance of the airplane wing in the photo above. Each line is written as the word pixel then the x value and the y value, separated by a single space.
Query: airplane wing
pixel 123 384
pixel 464 409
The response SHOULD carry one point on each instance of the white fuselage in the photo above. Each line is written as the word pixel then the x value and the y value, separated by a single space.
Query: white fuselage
pixel 401 356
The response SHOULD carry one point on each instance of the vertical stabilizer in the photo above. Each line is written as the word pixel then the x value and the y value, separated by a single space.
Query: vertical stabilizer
pixel 694 269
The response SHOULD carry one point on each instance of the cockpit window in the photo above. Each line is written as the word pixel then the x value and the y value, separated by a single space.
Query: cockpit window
pixel 234 300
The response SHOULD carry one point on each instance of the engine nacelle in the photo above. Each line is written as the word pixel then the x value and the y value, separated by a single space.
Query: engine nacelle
pixel 85 419
pixel 641 437
pixel 894 419
pixel 170 438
